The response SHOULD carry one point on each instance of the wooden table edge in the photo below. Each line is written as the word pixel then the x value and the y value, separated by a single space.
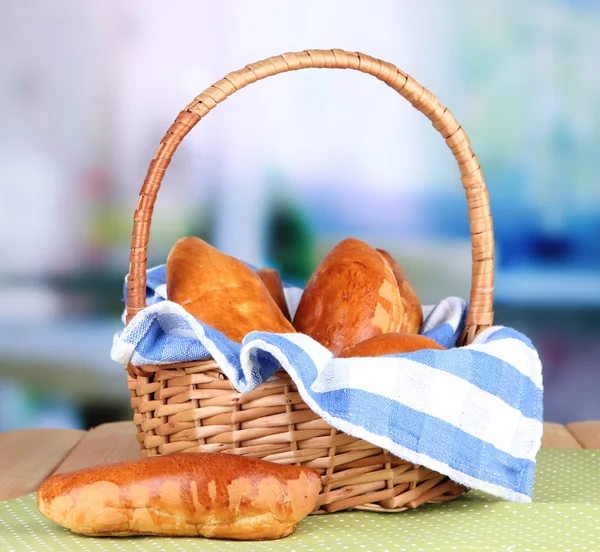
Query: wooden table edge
pixel 576 435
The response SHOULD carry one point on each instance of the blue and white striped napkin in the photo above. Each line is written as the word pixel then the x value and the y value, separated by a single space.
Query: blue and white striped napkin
pixel 472 413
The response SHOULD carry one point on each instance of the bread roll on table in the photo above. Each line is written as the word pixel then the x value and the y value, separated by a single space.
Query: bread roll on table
pixel 186 494
pixel 221 291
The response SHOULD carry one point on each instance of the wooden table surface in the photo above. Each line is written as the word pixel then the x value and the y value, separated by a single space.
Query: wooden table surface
pixel 27 457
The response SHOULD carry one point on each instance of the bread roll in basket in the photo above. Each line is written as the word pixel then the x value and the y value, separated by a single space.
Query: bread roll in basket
pixel 193 407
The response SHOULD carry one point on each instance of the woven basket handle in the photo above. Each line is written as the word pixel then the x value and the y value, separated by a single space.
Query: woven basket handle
pixel 482 284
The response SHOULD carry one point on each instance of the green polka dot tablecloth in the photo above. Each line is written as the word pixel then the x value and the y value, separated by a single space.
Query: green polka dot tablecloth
pixel 564 516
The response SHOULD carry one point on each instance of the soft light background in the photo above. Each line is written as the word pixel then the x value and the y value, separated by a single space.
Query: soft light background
pixel 288 167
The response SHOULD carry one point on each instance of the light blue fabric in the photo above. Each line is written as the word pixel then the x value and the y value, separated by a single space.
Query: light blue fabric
pixel 473 413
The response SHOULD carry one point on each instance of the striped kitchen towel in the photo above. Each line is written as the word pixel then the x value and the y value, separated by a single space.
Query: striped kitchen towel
pixel 472 413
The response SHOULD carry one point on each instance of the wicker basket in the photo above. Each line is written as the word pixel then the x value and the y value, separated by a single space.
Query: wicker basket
pixel 193 407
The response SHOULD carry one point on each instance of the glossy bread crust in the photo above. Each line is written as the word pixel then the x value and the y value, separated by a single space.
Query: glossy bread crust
pixel 390 344
pixel 185 494
pixel 221 291
pixel 412 306
pixel 352 295
pixel 270 277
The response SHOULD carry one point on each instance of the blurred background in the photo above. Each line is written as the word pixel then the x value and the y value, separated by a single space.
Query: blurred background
pixel 290 166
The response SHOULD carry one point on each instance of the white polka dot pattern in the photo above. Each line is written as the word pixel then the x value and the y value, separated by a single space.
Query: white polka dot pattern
pixel 565 516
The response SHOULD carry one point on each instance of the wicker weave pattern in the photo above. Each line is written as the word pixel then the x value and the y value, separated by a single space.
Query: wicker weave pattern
pixel 193 407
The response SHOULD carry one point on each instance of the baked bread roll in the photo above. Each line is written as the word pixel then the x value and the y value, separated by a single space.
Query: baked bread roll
pixel 352 295
pixel 186 494
pixel 273 283
pixel 221 291
pixel 412 306
pixel 390 344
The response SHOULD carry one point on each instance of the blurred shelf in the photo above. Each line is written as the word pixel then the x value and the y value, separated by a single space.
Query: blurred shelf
pixel 70 356
pixel 543 287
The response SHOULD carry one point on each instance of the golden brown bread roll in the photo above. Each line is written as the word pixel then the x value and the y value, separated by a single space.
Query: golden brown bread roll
pixel 390 344
pixel 185 494
pixel 221 291
pixel 352 296
pixel 412 306
pixel 273 283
